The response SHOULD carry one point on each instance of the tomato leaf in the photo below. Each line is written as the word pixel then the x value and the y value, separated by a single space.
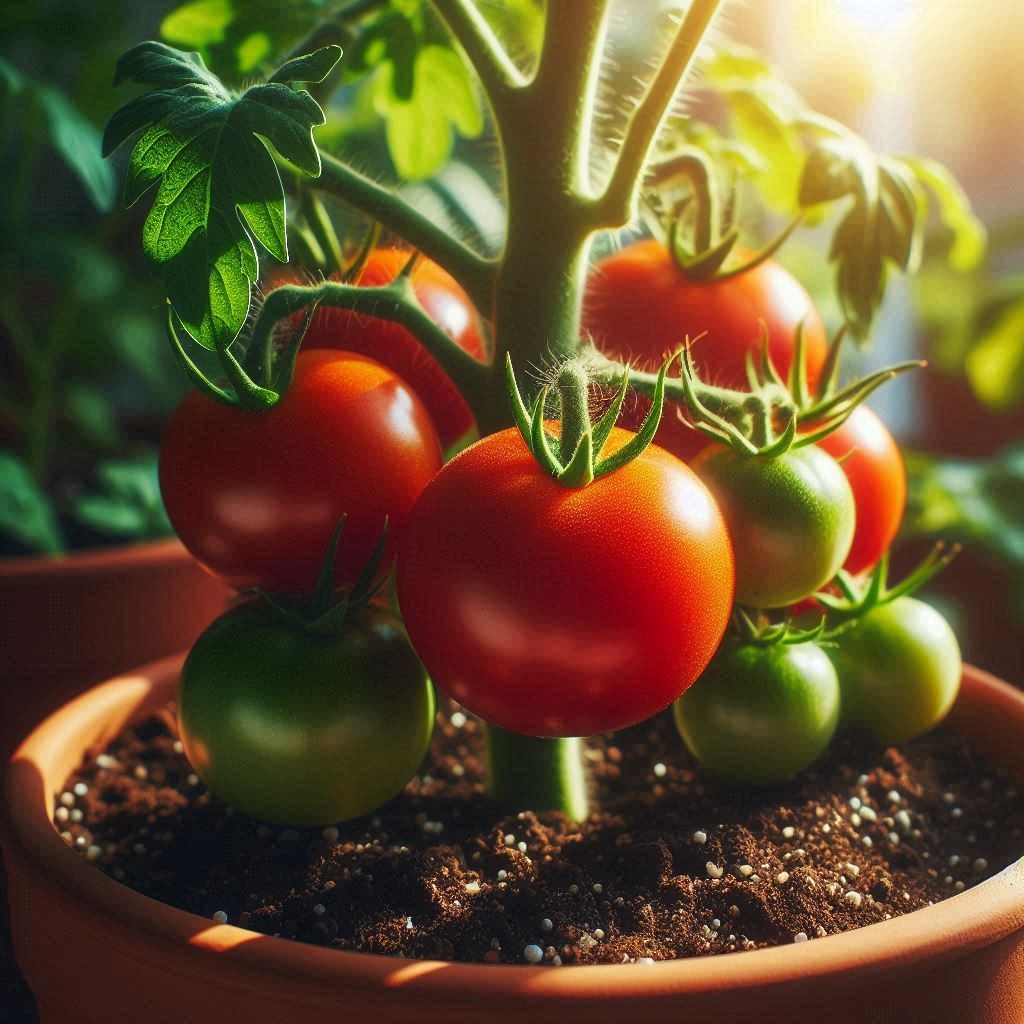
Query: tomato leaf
pixel 236 36
pixel 218 191
pixel 995 363
pixel 443 101
pixel 968 233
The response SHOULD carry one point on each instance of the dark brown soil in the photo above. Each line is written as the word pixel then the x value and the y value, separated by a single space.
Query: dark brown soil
pixel 670 864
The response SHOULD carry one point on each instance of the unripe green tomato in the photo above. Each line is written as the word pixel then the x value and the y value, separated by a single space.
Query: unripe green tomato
pixel 758 715
pixel 790 517
pixel 301 729
pixel 899 669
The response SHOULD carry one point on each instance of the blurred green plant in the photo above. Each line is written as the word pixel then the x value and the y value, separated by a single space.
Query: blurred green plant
pixel 87 378
pixel 976 502
pixel 974 322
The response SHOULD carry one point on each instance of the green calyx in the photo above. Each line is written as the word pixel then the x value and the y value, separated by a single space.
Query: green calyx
pixel 326 610
pixel 822 413
pixel 573 457
pixel 776 415
pixel 857 598
pixel 699 228
pixel 745 631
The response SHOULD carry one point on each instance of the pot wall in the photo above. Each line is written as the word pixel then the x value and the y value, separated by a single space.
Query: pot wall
pixel 70 621
pixel 95 951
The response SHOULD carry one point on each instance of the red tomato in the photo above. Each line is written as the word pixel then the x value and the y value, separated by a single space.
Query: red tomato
pixel 874 466
pixel 256 496
pixel 639 308
pixel 391 344
pixel 554 611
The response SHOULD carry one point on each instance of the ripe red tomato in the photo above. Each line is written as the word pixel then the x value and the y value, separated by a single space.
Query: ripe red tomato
pixel 256 496
pixel 391 344
pixel 874 466
pixel 554 611
pixel 639 308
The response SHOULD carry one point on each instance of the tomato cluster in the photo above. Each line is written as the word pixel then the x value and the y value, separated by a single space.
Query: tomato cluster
pixel 548 610
pixel 763 711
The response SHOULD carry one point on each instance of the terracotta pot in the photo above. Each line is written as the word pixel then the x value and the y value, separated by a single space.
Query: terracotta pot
pixel 70 621
pixel 94 950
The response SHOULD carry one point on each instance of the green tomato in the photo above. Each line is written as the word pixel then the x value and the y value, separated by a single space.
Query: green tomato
pixel 899 669
pixel 301 729
pixel 760 714
pixel 791 519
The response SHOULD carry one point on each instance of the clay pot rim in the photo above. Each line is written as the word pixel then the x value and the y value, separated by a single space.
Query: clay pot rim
pixel 149 553
pixel 971 919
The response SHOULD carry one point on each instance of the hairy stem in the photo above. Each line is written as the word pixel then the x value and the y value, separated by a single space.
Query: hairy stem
pixel 617 202
pixel 496 71
pixel 395 302
pixel 474 272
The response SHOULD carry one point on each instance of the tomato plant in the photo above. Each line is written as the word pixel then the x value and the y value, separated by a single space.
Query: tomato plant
pixel 549 606
pixel 556 611
pixel 790 516
pixel 298 728
pixel 255 496
pixel 391 344
pixel 760 713
pixel 873 464
pixel 899 669
pixel 639 306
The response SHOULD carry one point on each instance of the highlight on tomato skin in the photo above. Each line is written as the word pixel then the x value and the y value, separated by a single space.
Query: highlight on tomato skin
pixel 639 307
pixel 444 300
pixel 255 497
pixel 555 611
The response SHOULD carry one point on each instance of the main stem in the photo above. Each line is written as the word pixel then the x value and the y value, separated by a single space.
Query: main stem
pixel 545 134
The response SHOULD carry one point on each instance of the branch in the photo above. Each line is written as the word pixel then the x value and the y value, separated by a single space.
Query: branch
pixel 497 73
pixel 616 203
pixel 395 302
pixel 474 272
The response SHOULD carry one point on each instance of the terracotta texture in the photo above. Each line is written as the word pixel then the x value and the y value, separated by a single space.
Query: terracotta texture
pixel 70 621
pixel 94 950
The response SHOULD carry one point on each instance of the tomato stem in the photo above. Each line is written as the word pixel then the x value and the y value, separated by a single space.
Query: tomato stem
pixel 541 774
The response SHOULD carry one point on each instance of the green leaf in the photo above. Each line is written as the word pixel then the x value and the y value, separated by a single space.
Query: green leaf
pixel 26 513
pixel 834 169
pixel 969 238
pixel 198 24
pixel 995 364
pixel 974 502
pixel 126 503
pixel 444 100
pixel 73 136
pixel 313 67
pixel 217 186
pixel 235 37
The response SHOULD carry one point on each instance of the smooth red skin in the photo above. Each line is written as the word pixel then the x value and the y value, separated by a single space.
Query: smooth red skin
pixel 639 308
pixel 256 496
pixel 874 466
pixel 554 611
pixel 391 344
